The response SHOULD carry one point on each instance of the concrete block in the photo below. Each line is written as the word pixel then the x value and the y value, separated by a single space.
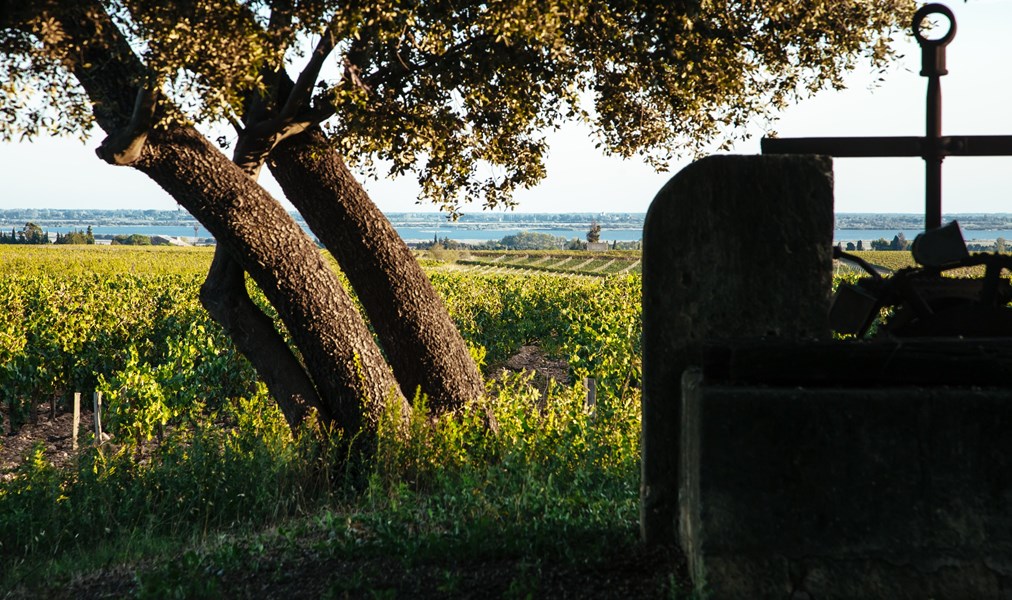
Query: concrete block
pixel 791 493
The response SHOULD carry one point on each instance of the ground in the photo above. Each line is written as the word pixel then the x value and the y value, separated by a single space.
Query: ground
pixel 298 572
pixel 53 433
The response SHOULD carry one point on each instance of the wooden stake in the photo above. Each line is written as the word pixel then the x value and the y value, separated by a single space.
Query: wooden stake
pixel 77 419
pixel 98 417
pixel 591 384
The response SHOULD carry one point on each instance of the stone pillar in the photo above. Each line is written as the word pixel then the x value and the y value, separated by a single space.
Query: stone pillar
pixel 733 246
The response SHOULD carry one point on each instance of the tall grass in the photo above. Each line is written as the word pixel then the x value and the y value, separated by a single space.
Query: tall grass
pixel 544 480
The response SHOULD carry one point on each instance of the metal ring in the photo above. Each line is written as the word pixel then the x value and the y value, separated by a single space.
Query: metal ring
pixel 933 9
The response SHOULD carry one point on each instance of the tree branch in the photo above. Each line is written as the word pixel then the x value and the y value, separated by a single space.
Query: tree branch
pixel 125 146
pixel 303 90
pixel 388 75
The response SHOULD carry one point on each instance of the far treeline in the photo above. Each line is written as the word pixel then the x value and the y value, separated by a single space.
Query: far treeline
pixel 532 240
pixel 32 233
pixel 900 242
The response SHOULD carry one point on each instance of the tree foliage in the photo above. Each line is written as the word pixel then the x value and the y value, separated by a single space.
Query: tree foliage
pixel 462 94
pixel 526 240
pixel 76 237
pixel 29 234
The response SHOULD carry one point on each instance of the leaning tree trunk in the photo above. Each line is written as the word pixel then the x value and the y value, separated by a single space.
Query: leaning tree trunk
pixel 345 364
pixel 225 298
pixel 422 344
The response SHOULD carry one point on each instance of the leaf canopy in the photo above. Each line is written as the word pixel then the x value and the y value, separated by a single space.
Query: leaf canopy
pixel 462 94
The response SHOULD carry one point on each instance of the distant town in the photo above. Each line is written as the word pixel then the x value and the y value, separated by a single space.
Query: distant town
pixel 178 227
pixel 78 217
pixel 904 221
pixel 83 217
pixel 478 228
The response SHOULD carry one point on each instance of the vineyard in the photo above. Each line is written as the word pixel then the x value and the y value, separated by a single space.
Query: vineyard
pixel 894 260
pixel 573 263
pixel 110 319
pixel 197 446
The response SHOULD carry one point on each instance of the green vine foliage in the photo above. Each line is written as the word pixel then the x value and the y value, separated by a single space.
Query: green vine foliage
pixel 225 455
pixel 143 340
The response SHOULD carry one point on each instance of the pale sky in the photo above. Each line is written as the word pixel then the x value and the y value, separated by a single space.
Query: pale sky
pixel 977 99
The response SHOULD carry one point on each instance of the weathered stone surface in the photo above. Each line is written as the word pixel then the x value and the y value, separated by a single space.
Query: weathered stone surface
pixel 734 246
pixel 847 493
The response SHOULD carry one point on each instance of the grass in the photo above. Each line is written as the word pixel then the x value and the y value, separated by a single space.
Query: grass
pixel 553 485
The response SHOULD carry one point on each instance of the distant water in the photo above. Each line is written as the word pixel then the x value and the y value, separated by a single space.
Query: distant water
pixel 179 232
pixel 852 235
pixel 408 234
pixel 422 234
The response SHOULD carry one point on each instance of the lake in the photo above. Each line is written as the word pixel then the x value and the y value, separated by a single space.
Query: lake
pixel 408 234
pixel 473 235
pixel 970 235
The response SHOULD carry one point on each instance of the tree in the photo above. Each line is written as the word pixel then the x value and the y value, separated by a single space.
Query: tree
pixel 532 240
pixel 134 239
pixel 999 245
pixel 78 237
pixel 899 242
pixel 32 234
pixel 860 245
pixel 851 247
pixel 880 244
pixel 436 88
pixel 594 235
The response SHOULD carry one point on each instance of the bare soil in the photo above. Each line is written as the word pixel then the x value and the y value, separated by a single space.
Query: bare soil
pixel 53 433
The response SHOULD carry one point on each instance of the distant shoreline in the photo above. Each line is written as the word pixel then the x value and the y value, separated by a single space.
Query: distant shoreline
pixel 477 227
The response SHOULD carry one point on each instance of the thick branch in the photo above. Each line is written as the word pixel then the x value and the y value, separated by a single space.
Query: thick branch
pixel 284 110
pixel 301 93
pixel 126 145
pixel 258 139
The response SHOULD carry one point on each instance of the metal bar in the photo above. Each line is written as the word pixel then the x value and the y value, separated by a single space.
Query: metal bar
pixel 872 147
pixel 845 146
pixel 977 145
pixel 933 154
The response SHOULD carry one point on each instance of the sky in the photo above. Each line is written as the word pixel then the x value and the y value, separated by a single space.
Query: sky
pixel 64 173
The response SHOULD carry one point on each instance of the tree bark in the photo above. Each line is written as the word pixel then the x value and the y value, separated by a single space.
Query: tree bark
pixel 339 353
pixel 421 342
pixel 224 297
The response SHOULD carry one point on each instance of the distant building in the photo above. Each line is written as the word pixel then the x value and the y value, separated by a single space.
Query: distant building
pixel 597 246
pixel 167 240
